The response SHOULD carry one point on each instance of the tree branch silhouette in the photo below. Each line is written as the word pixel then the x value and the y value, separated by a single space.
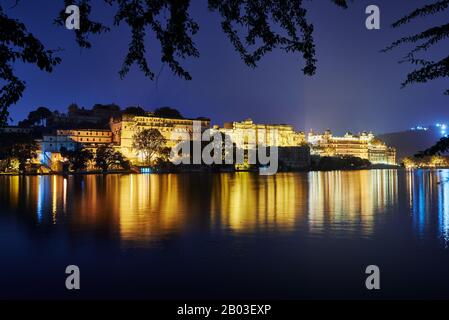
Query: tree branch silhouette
pixel 17 44
pixel 270 25
pixel 428 70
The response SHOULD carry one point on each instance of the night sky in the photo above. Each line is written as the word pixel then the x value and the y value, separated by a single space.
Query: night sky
pixel 356 87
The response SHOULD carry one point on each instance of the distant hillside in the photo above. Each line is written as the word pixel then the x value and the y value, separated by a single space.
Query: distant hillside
pixel 408 143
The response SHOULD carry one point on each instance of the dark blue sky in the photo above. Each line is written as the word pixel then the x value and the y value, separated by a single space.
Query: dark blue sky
pixel 356 87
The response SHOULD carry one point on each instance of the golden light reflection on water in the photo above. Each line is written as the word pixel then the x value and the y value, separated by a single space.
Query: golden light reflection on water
pixel 245 202
pixel 347 201
pixel 142 210
pixel 151 207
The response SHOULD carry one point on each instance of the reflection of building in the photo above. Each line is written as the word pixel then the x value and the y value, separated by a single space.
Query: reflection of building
pixel 242 203
pixel 125 128
pixel 150 208
pixel 346 202
pixel 364 146
pixel 247 135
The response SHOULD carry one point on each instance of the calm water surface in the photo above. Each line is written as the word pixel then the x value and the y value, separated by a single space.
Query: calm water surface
pixel 236 235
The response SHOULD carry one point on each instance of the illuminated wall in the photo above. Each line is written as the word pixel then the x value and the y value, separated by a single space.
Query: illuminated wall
pixel 364 146
pixel 124 129
pixel 246 134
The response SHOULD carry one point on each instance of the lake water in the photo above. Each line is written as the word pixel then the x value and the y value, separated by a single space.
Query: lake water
pixel 233 235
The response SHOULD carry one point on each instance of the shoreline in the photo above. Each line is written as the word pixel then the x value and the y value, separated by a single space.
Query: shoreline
pixel 196 172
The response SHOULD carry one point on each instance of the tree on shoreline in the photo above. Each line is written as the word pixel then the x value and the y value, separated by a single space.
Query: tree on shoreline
pixel 24 152
pixel 77 158
pixel 440 148
pixel 426 161
pixel 107 156
pixel 21 147
pixel 149 143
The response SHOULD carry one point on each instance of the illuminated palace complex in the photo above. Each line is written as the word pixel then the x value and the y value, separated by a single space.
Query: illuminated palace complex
pixel 240 132
pixel 294 147
pixel 124 128
pixel 293 150
pixel 52 144
pixel 364 146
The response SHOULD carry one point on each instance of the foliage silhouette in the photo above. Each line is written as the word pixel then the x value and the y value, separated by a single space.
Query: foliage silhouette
pixel 441 147
pixel 167 112
pixel 16 43
pixel 135 111
pixel 107 156
pixel 427 70
pixel 270 25
pixel 77 158
pixel 37 116
pixel 150 143
pixel 19 146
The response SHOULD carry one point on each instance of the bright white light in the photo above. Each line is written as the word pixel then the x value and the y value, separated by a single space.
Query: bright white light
pixel 145 170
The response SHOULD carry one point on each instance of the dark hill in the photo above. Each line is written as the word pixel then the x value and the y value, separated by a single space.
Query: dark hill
pixel 408 143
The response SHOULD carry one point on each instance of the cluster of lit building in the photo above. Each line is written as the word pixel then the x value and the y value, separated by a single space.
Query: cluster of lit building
pixel 442 128
pixel 295 148
pixel 364 146
pixel 427 162
pixel 69 139
pixel 285 135
pixel 125 127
